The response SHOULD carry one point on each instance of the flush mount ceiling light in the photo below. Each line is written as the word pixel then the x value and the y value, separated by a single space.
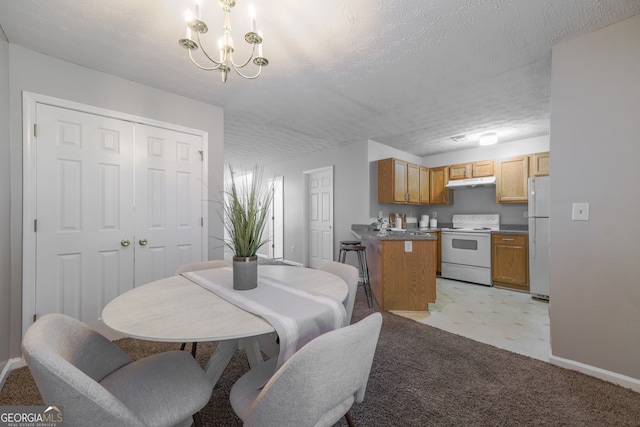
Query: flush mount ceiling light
pixel 225 43
pixel 488 139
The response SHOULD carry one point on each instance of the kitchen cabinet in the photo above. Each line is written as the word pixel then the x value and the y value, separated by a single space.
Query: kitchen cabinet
pixel 398 182
pixel 471 170
pixel 510 261
pixel 539 164
pixel 402 279
pixel 424 185
pixel 438 191
pixel 511 180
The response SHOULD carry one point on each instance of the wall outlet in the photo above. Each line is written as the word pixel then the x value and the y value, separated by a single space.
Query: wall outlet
pixel 408 246
pixel 434 215
pixel 580 212
pixel 293 249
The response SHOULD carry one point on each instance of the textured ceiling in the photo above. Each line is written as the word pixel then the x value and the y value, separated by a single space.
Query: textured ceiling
pixel 407 73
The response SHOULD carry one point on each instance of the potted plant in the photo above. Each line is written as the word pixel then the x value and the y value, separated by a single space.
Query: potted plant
pixel 246 208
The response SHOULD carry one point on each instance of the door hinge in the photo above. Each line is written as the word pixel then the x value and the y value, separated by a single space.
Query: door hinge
pixel 35 129
pixel 201 155
pixel 34 318
pixel 201 221
pixel 35 225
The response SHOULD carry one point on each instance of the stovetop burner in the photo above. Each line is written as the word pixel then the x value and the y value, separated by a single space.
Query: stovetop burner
pixel 475 223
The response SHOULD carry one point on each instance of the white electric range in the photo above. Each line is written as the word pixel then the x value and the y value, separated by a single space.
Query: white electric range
pixel 466 248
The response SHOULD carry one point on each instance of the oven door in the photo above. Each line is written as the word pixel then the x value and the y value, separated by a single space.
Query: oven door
pixel 467 248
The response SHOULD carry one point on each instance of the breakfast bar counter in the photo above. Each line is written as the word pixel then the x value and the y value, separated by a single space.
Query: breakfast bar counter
pixel 402 267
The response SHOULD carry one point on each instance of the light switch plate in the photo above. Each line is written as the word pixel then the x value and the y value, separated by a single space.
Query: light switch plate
pixel 408 246
pixel 580 212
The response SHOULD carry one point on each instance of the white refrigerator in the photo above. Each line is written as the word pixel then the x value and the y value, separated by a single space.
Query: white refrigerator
pixel 539 237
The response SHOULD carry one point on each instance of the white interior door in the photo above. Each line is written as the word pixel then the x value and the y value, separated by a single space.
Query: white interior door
pixel 109 203
pixel 276 224
pixel 168 208
pixel 84 211
pixel 319 190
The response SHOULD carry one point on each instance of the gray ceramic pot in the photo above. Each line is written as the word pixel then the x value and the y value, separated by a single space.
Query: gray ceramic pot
pixel 245 273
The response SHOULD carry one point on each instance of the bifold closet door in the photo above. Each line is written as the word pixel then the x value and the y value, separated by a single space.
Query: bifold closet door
pixel 118 205
pixel 168 201
pixel 84 204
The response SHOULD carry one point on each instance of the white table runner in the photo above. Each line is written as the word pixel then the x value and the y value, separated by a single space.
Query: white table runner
pixel 297 316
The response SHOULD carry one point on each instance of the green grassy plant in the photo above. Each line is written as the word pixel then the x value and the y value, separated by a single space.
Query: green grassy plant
pixel 246 209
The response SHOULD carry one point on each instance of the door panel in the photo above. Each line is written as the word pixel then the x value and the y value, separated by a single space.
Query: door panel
pixel 84 210
pixel 320 217
pixel 168 205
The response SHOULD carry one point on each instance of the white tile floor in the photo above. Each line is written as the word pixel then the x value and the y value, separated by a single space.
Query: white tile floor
pixel 506 319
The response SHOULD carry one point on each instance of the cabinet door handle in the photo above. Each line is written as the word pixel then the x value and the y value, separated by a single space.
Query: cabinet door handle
pixel 507 240
pixel 142 241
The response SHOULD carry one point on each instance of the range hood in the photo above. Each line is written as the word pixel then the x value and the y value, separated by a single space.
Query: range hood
pixel 489 181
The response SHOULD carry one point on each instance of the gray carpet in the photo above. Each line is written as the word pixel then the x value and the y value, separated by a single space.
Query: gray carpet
pixel 423 376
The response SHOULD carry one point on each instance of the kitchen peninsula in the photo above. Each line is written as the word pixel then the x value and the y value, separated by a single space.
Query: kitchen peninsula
pixel 402 267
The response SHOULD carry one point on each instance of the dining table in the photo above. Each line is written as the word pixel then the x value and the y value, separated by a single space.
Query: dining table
pixel 177 309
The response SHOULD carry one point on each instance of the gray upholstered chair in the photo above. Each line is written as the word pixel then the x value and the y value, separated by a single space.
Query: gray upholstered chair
pixel 197 266
pixel 99 385
pixel 317 386
pixel 349 274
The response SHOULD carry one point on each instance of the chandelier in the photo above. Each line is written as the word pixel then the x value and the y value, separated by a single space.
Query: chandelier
pixel 225 62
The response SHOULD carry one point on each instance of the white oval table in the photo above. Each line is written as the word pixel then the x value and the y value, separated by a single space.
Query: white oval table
pixel 176 309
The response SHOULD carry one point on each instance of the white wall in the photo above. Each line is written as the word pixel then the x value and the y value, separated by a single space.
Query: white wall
pixel 5 205
pixel 594 266
pixel 33 72
pixel 351 183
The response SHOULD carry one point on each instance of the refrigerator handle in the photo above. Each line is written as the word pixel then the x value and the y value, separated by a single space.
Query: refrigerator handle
pixel 532 239
pixel 532 198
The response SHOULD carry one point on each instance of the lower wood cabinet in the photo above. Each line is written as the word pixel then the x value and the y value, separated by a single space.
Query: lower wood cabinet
pixel 402 279
pixel 510 261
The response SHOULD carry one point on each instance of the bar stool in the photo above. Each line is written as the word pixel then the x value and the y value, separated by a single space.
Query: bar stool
pixel 347 246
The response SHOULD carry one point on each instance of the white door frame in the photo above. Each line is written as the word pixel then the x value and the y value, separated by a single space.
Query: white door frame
pixel 29 101
pixel 305 214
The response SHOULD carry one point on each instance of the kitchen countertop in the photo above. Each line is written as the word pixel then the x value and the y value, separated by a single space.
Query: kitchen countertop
pixel 365 232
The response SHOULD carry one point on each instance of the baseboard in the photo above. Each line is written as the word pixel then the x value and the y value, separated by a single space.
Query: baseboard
pixel 612 377
pixel 10 365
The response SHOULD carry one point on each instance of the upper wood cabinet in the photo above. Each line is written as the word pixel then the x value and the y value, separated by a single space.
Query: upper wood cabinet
pixel 399 182
pixel 471 170
pixel 424 185
pixel 539 164
pixel 413 184
pixel 438 191
pixel 511 180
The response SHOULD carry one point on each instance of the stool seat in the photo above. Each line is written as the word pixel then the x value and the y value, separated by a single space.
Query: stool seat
pixel 347 246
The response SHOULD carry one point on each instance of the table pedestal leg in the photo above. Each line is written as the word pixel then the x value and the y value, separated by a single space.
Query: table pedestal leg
pixel 251 347
pixel 220 359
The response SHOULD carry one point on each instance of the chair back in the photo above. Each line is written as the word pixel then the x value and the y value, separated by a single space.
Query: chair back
pixel 320 382
pixel 67 360
pixel 349 274
pixel 204 265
